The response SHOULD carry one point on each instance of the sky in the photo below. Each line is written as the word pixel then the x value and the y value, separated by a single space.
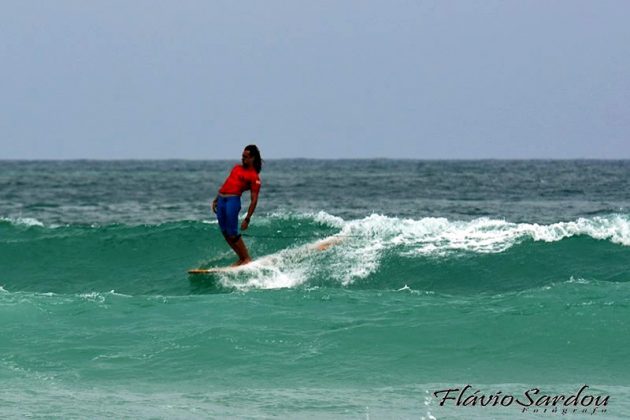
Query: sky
pixel 187 79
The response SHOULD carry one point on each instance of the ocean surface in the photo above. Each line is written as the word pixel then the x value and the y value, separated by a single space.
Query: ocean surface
pixel 508 276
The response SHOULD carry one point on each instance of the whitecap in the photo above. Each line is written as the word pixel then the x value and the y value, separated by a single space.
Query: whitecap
pixel 23 221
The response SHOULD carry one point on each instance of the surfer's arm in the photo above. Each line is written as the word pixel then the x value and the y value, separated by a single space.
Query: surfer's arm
pixel 214 203
pixel 250 210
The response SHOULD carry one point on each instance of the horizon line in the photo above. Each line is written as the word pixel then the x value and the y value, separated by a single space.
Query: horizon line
pixel 305 158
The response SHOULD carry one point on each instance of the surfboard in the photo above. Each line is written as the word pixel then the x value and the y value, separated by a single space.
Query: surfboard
pixel 268 260
pixel 230 268
pixel 326 243
pixel 211 270
pixel 257 263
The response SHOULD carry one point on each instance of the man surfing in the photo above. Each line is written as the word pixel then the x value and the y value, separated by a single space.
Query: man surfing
pixel 227 203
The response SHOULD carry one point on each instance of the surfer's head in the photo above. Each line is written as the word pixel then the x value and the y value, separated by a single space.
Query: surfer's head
pixel 251 156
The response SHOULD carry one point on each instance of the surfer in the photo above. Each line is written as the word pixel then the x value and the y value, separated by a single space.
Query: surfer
pixel 227 203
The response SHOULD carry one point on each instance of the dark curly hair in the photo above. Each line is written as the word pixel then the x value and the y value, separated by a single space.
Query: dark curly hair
pixel 255 153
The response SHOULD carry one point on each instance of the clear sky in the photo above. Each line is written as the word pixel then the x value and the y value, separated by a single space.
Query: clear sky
pixel 433 79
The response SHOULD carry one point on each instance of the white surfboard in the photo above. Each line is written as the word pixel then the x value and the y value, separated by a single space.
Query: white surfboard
pixel 210 270
pixel 320 245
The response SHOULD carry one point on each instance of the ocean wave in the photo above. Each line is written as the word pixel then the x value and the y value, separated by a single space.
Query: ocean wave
pixel 363 246
pixel 315 249
pixel 438 236
pixel 429 235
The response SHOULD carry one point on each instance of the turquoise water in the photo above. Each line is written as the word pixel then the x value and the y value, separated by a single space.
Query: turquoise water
pixel 503 275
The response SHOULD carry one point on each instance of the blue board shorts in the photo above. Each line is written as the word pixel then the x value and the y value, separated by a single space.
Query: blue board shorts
pixel 227 214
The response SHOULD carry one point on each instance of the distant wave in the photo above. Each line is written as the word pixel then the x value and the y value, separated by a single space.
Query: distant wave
pixel 21 221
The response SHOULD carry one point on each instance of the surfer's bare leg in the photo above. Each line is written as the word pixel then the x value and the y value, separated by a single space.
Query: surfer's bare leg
pixel 230 242
pixel 237 244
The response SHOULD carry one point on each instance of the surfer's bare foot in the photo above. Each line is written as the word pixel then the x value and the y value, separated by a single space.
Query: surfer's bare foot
pixel 245 261
pixel 241 262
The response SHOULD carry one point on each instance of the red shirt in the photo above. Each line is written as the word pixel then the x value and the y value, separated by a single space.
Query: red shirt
pixel 240 180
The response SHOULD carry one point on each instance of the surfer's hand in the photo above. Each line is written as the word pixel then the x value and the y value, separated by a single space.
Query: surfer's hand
pixel 245 224
pixel 214 205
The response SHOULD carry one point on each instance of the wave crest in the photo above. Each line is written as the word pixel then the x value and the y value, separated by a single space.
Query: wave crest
pixel 439 236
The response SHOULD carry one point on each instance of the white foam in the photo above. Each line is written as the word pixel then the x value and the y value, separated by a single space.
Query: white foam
pixel 100 297
pixel 275 271
pixel 365 240
pixel 439 236
pixel 93 297
pixel 325 218
pixel 290 267
pixel 24 221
